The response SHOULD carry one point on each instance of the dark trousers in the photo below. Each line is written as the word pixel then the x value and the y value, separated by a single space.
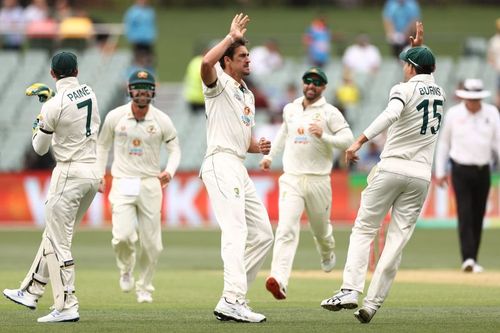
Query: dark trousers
pixel 471 185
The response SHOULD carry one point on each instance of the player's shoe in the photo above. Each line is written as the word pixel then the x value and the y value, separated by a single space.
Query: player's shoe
pixel 328 264
pixel 344 299
pixel 468 265
pixel 66 315
pixel 276 288
pixel 237 311
pixel 22 297
pixel 364 315
pixel 144 296
pixel 127 282
pixel 477 268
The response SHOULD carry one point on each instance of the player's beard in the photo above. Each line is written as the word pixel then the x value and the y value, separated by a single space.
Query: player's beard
pixel 142 100
pixel 311 94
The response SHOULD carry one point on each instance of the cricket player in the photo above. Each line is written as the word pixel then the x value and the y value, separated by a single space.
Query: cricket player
pixel 246 231
pixel 69 122
pixel 137 131
pixel 310 130
pixel 399 182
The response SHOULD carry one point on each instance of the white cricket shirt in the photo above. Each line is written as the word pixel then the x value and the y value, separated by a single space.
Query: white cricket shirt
pixel 415 115
pixel 468 138
pixel 73 117
pixel 230 109
pixel 304 153
pixel 136 143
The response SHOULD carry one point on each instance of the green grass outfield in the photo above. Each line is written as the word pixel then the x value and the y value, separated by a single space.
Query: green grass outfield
pixel 430 293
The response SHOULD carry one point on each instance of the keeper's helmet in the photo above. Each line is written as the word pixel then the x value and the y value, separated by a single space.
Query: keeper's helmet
pixel 139 81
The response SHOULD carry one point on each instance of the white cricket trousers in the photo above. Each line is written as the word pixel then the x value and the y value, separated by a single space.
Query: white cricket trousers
pixel 137 223
pixel 72 188
pixel 299 192
pixel 247 235
pixel 406 196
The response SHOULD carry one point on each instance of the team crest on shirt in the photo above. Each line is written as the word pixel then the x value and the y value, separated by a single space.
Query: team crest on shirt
pixel 151 129
pixel 301 137
pixel 122 131
pixel 316 117
pixel 136 148
pixel 247 116
pixel 236 192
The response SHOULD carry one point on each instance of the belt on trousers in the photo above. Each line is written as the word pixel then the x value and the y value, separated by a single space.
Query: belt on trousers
pixel 470 166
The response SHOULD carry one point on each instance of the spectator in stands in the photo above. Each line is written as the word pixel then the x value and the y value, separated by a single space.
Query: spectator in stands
pixel 399 18
pixel 140 30
pixel 266 58
pixel 347 94
pixel 317 40
pixel 12 25
pixel 37 10
pixel 76 31
pixel 494 59
pixel 62 10
pixel 362 57
pixel 193 90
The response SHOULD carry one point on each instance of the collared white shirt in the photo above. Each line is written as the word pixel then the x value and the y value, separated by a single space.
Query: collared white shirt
pixel 468 138
pixel 305 153
pixel 73 117
pixel 230 110
pixel 136 143
pixel 414 117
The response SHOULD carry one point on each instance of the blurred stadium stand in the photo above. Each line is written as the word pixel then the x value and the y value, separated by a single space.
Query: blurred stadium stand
pixel 106 74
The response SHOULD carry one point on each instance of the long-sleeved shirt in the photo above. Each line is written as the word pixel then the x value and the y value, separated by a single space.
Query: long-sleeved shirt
pixel 305 153
pixel 468 138
pixel 137 143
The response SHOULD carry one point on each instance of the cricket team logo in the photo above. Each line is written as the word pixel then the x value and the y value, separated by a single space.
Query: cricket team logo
pixel 247 116
pixel 236 192
pixel 151 130
pixel 301 137
pixel 136 148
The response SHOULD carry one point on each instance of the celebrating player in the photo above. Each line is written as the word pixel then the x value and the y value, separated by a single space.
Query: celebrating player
pixel 399 181
pixel 70 121
pixel 246 231
pixel 310 130
pixel 137 130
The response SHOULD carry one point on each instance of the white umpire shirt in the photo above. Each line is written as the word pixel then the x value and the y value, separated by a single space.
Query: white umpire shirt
pixel 230 109
pixel 71 121
pixel 137 143
pixel 415 115
pixel 304 153
pixel 468 138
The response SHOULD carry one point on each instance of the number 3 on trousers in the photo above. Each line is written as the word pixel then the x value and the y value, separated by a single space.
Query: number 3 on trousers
pixel 87 103
pixel 435 114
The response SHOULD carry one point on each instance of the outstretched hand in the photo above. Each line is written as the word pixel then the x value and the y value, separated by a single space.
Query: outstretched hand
pixel 239 26
pixel 418 40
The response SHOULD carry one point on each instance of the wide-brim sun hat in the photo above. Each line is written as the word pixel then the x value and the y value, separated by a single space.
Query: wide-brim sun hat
pixel 473 89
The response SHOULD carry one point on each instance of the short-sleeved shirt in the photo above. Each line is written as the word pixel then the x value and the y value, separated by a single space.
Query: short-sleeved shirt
pixel 411 139
pixel 230 109
pixel 305 153
pixel 136 143
pixel 73 117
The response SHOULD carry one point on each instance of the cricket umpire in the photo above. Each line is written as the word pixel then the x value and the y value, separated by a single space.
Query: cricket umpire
pixel 469 139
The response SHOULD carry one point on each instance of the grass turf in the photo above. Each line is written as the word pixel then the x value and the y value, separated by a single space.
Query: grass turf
pixel 189 281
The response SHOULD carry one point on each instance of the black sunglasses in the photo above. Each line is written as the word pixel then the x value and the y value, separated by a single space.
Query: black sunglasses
pixel 316 82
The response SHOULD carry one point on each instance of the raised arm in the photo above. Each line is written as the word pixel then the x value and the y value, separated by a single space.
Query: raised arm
pixel 418 40
pixel 237 31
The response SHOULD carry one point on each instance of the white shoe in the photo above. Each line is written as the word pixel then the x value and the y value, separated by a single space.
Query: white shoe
pixel 364 315
pixel 144 296
pixel 328 264
pixel 127 282
pixel 22 297
pixel 276 288
pixel 238 311
pixel 344 299
pixel 468 265
pixel 477 268
pixel 66 315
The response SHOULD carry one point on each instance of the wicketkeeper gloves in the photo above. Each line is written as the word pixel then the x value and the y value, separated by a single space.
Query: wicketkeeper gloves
pixel 41 90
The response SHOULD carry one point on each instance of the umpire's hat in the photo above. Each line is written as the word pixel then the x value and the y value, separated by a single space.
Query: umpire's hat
pixel 420 57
